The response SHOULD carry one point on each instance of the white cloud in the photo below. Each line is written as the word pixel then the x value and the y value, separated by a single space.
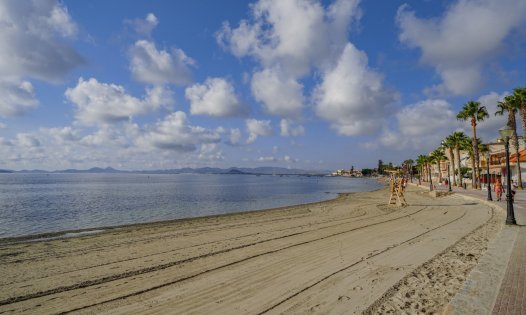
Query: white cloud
pixel 420 126
pixel 154 66
pixel 30 44
pixel 289 39
pixel 32 47
pixel 215 97
pixel 210 152
pixel 458 43
pixel 3 126
pixel 101 103
pixel 267 159
pixel 487 130
pixel 64 134
pixel 235 137
pixel 176 134
pixel 289 159
pixel 257 128
pixel 293 34
pixel 144 26
pixel 427 117
pixel 27 140
pixel 16 98
pixel 351 96
pixel 280 95
pixel 290 129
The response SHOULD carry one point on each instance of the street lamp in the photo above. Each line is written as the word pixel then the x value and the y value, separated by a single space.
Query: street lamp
pixel 505 134
pixel 487 177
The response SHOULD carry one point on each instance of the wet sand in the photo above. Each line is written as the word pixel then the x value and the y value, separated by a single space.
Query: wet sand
pixel 349 255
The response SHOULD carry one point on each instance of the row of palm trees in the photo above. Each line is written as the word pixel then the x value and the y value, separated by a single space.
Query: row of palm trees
pixel 451 146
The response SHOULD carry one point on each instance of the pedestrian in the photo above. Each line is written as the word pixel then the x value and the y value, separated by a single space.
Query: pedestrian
pixel 498 190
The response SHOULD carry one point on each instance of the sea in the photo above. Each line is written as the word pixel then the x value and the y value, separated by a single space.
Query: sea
pixel 55 202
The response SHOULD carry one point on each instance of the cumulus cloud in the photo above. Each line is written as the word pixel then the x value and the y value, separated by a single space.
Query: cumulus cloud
pixel 457 44
pixel 215 97
pixel 293 34
pixel 103 103
pixel 256 128
pixel 154 66
pixel 288 39
pixel 30 35
pixel 421 126
pixel 351 96
pixel 144 26
pixel 63 134
pixel 27 140
pixel 291 129
pixel 234 137
pixel 175 133
pixel 210 152
pixel 17 97
pixel 488 129
pixel 280 95
pixel 32 47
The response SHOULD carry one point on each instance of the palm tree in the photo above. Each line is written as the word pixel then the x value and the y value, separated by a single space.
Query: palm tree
pixel 458 140
pixel 466 145
pixel 425 171
pixel 449 144
pixel 409 163
pixel 474 112
pixel 511 105
pixel 420 163
pixel 437 156
pixel 520 96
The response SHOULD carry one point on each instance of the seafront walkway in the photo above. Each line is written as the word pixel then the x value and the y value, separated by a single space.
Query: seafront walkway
pixel 497 285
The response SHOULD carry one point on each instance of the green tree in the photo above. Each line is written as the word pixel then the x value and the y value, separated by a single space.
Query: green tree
pixel 519 95
pixel 449 144
pixel 474 112
pixel 510 105
pixel 458 139
pixel 409 163
pixel 437 156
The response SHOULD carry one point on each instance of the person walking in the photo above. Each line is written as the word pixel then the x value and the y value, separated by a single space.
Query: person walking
pixel 498 190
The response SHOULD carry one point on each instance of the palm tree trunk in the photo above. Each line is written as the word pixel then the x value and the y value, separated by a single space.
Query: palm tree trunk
pixel 429 173
pixel 473 166
pixel 475 150
pixel 457 149
pixel 478 171
pixel 452 162
pixel 439 172
pixel 517 153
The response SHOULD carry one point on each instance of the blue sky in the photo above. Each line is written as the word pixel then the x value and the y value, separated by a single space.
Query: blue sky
pixel 303 84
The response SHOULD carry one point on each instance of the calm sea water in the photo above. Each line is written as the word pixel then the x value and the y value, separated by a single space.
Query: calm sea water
pixel 39 203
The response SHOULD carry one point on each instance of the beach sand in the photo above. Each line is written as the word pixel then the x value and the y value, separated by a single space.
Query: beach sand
pixel 349 255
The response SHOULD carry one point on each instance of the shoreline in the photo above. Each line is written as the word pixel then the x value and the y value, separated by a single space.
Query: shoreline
pixel 103 229
pixel 334 256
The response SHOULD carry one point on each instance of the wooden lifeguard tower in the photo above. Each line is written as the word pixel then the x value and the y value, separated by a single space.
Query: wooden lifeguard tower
pixel 397 188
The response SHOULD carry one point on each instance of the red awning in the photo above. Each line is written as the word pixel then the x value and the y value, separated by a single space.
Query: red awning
pixel 513 157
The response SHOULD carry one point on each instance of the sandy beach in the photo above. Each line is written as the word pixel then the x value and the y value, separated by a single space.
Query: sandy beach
pixel 345 256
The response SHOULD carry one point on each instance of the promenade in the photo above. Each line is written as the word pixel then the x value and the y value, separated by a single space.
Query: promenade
pixel 498 284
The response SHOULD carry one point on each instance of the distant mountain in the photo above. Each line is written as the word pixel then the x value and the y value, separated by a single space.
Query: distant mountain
pixel 202 170
pixel 92 170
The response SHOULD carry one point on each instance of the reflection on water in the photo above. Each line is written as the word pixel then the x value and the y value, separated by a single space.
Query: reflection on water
pixel 38 203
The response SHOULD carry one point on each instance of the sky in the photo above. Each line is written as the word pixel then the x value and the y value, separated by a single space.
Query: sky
pixel 317 85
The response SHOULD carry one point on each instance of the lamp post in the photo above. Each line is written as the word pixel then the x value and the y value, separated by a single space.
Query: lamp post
pixel 448 178
pixel 487 177
pixel 505 134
